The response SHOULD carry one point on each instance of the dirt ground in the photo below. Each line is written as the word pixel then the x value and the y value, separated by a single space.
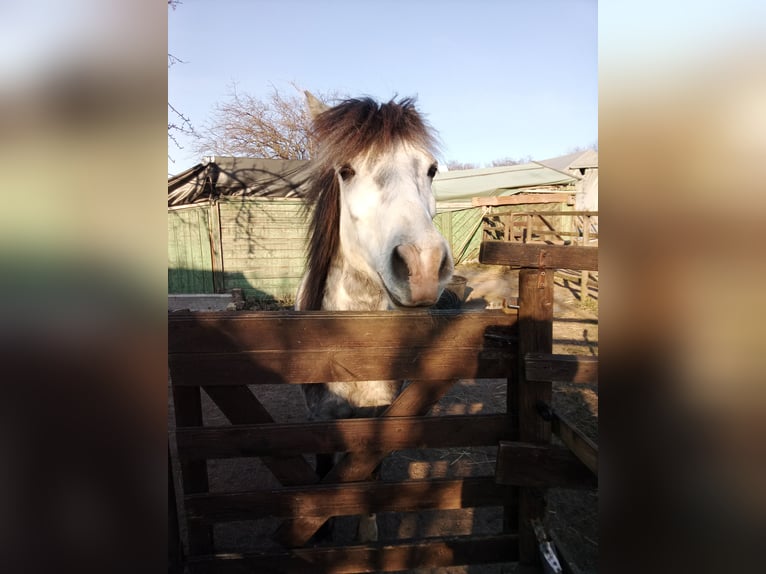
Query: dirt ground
pixel 571 515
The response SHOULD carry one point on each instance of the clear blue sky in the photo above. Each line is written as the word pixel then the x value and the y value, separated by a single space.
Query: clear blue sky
pixel 496 78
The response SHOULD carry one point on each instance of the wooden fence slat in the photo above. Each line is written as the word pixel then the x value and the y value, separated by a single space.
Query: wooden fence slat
pixel 300 366
pixel 390 433
pixel 526 464
pixel 536 255
pixel 582 447
pixel 522 199
pixel 221 332
pixel 415 400
pixel 405 555
pixel 187 403
pixel 240 406
pixel 561 368
pixel 175 544
pixel 346 499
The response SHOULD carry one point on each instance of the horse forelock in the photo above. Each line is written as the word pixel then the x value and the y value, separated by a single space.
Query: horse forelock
pixel 360 127
pixel 354 128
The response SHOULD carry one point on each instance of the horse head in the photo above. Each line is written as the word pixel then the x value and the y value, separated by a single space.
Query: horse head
pixel 379 161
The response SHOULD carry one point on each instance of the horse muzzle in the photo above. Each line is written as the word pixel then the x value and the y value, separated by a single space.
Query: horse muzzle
pixel 419 273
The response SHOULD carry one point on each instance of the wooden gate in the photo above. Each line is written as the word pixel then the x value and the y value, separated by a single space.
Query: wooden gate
pixel 229 355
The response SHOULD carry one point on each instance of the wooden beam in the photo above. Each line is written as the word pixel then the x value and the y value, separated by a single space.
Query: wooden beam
pixel 348 499
pixel 175 544
pixel 553 213
pixel 297 366
pixel 241 406
pixel 536 255
pixel 561 368
pixel 187 404
pixel 415 400
pixel 342 435
pixel 527 464
pixel 582 447
pixel 535 336
pixel 410 554
pixel 222 332
pixel 521 199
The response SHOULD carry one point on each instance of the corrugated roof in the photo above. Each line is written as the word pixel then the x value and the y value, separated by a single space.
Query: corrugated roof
pixel 587 160
pixel 575 160
pixel 495 181
pixel 238 176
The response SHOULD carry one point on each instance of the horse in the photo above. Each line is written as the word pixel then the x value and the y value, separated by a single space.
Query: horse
pixel 372 243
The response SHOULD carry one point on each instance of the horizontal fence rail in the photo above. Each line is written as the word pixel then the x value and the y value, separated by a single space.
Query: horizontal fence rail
pixel 405 555
pixel 342 435
pixel 561 368
pixel 309 347
pixel 346 499
pixel 539 256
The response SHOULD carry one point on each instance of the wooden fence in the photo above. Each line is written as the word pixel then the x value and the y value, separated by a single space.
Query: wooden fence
pixel 546 227
pixel 259 245
pixel 222 353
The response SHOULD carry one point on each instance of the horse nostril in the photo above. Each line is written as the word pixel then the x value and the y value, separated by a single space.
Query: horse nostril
pixel 398 265
pixel 445 269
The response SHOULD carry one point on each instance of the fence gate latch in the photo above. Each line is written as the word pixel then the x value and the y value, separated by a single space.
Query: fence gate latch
pixel 551 564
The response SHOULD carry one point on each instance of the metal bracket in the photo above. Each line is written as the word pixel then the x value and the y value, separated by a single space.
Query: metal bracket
pixel 550 560
pixel 545 411
pixel 541 269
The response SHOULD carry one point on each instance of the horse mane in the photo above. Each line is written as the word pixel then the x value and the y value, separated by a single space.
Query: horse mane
pixel 354 128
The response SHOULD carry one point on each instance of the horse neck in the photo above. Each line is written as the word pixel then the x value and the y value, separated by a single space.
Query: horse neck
pixel 348 289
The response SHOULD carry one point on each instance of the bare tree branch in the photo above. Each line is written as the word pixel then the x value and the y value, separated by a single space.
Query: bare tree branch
pixel 276 127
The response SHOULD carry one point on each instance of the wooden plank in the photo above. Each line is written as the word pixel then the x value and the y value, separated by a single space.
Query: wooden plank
pixel 311 330
pixel 187 404
pixel 541 232
pixel 527 464
pixel 561 368
pixel 522 198
pixel 582 447
pixel 557 213
pixel 216 247
pixel 343 435
pixel 386 557
pixel 535 336
pixel 415 400
pixel 240 406
pixel 584 274
pixel 364 364
pixel 535 255
pixel 175 544
pixel 348 499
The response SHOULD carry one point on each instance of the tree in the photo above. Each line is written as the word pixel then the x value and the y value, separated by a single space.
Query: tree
pixel 244 125
pixel 178 123
pixel 454 165
pixel 510 161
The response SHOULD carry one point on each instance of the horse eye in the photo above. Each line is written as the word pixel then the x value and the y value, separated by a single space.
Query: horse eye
pixel 432 170
pixel 346 172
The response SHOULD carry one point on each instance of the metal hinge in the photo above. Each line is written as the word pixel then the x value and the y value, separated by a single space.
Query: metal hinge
pixel 548 556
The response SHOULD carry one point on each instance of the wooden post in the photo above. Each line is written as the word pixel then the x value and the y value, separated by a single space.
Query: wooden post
pixel 530 222
pixel 216 248
pixel 187 403
pixel 585 241
pixel 535 336
pixel 507 227
pixel 175 546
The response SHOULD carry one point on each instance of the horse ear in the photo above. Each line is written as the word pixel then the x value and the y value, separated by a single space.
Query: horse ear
pixel 315 106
